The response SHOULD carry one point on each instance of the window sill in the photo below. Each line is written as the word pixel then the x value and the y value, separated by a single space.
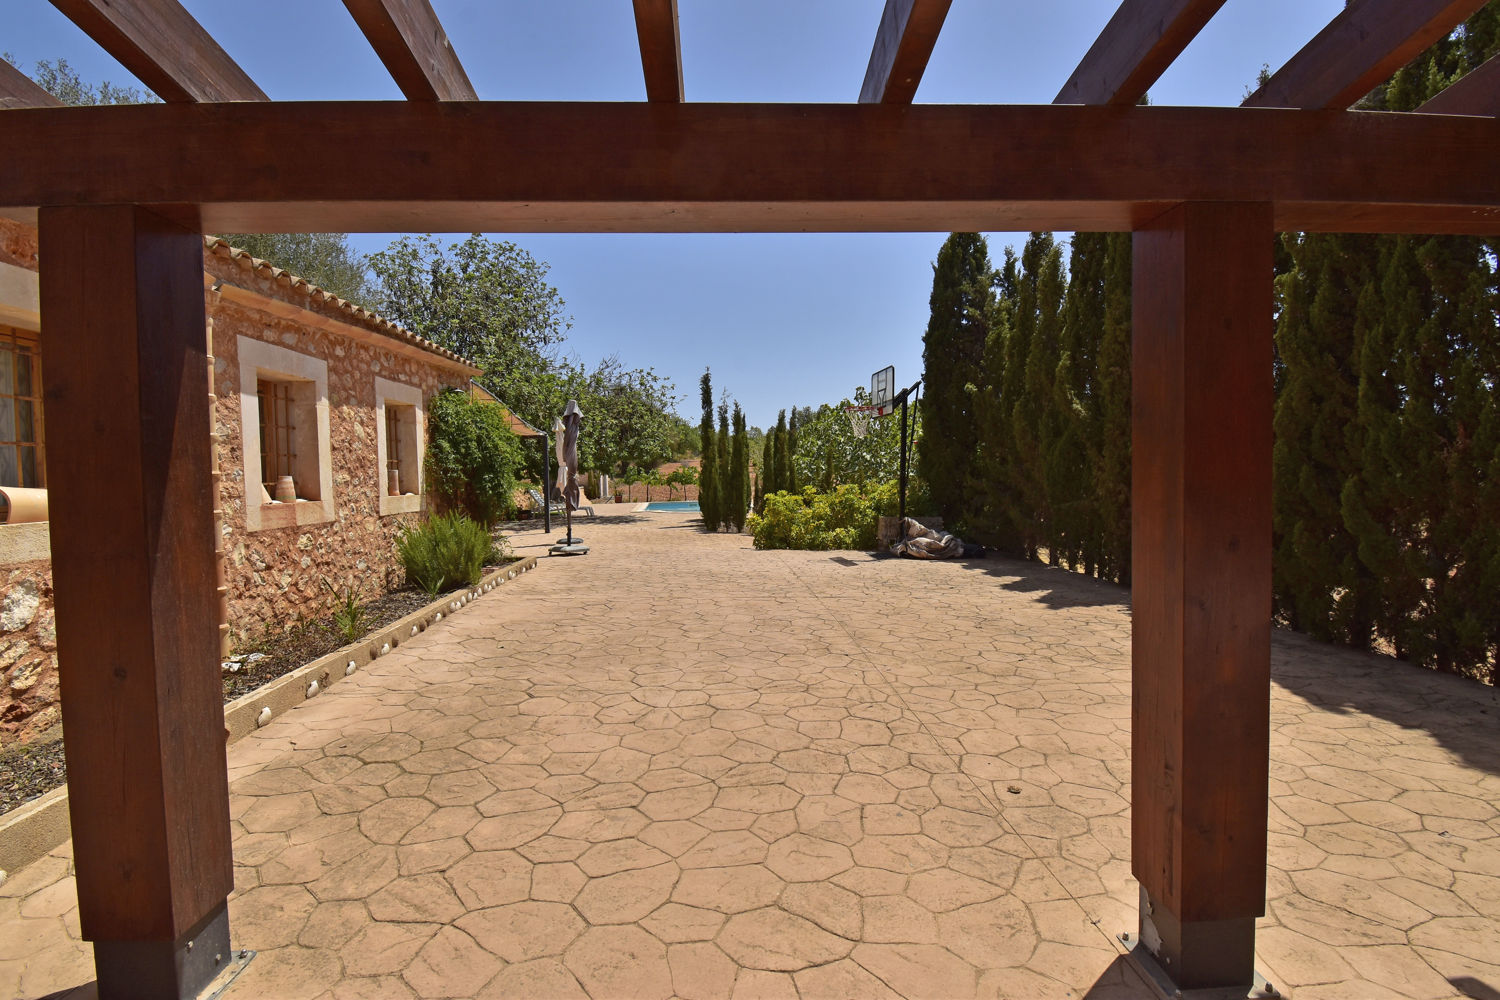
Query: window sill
pixel 25 541
pixel 407 503
pixel 292 515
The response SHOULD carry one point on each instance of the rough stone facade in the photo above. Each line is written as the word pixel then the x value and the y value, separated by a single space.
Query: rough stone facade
pixel 28 649
pixel 275 576
pixel 280 576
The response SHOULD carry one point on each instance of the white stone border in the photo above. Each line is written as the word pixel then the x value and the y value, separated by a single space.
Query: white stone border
pixel 409 395
pixel 257 356
pixel 28 833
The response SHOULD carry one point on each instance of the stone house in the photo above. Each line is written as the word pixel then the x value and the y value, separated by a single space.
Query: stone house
pixel 306 386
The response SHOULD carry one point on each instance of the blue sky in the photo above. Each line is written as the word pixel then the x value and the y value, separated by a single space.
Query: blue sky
pixel 782 320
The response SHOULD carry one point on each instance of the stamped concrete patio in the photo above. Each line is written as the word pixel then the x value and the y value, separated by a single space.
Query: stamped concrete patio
pixel 680 767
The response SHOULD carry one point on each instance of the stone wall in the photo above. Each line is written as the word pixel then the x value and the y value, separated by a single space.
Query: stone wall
pixel 280 576
pixel 276 577
pixel 28 650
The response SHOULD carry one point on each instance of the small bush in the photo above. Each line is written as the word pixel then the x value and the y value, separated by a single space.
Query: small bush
pixel 842 519
pixel 444 552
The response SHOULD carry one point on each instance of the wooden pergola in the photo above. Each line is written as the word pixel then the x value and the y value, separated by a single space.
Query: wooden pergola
pixel 122 194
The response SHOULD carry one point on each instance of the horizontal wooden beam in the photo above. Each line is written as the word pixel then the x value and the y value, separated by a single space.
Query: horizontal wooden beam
pixel 661 49
pixel 17 90
pixel 409 39
pixel 1475 93
pixel 166 49
pixel 608 167
pixel 1359 50
pixel 903 44
pixel 1137 45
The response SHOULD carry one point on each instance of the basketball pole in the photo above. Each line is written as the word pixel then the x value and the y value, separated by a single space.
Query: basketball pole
pixel 902 398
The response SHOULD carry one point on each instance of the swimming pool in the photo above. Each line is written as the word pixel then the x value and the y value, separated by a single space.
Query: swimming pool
pixel 688 505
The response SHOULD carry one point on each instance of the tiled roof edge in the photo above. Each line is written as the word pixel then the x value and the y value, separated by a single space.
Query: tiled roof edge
pixel 286 279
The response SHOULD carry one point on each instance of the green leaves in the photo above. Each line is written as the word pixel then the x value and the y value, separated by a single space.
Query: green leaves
pixel 472 457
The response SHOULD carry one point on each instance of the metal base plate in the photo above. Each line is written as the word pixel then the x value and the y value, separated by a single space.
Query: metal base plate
pixel 1166 989
pixel 216 987
pixel 569 550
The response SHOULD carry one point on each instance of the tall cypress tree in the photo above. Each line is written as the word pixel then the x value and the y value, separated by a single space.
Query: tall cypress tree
pixel 727 490
pixel 992 480
pixel 708 472
pixel 1076 404
pixel 1316 436
pixel 791 452
pixel 767 463
pixel 781 461
pixel 739 480
pixel 1111 463
pixel 952 366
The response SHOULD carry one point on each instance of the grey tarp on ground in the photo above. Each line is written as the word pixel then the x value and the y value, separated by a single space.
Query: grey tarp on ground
pixel 921 542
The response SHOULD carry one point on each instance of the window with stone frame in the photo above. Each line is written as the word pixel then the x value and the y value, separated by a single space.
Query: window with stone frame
pixel 400 418
pixel 22 442
pixel 286 428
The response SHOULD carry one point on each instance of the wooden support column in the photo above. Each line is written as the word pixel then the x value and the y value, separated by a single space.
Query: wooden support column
pixel 134 586
pixel 1201 544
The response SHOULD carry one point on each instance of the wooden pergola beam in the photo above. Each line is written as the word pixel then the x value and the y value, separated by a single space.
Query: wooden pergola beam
pixel 903 44
pixel 656 29
pixel 1359 49
pixel 1135 48
pixel 381 167
pixel 411 42
pixel 165 47
pixel 17 90
pixel 1475 93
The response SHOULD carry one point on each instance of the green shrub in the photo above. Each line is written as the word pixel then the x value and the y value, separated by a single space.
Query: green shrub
pixel 444 552
pixel 843 519
pixel 472 457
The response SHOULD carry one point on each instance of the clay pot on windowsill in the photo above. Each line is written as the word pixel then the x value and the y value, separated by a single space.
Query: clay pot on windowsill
pixel 286 490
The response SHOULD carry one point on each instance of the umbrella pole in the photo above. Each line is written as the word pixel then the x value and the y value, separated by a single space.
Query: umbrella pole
pixel 547 483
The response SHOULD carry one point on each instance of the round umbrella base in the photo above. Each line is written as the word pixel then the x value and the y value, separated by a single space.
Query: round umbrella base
pixel 569 550
pixel 569 540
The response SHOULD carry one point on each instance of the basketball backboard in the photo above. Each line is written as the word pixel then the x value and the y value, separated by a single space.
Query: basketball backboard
pixel 883 390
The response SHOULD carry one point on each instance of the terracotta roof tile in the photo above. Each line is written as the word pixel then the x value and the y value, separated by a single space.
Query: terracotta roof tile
pixel 364 317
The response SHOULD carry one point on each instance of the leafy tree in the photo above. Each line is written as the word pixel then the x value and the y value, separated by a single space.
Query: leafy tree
pixel 952 353
pixel 626 413
pixel 63 82
pixel 684 476
pixel 708 475
pixel 325 259
pixel 472 457
pixel 829 453
pixel 485 300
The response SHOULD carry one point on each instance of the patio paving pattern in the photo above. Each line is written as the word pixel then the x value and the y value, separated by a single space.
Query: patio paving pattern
pixel 678 767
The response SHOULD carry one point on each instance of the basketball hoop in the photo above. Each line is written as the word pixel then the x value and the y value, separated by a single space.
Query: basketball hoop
pixel 859 418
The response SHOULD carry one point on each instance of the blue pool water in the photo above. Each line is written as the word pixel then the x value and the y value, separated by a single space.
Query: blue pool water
pixel 691 505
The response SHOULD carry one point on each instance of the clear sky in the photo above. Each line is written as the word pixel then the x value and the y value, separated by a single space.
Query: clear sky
pixel 782 320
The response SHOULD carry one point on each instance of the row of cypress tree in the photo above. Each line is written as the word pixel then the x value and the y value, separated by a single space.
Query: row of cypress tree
pixel 1387 419
pixel 1026 443
pixel 777 473
pixel 724 478
pixel 1387 456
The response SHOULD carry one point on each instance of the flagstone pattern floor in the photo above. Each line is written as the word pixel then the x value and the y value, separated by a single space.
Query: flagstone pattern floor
pixel 678 767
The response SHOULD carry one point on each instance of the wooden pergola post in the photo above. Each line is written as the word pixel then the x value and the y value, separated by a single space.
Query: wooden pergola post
pixel 1201 543
pixel 134 588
